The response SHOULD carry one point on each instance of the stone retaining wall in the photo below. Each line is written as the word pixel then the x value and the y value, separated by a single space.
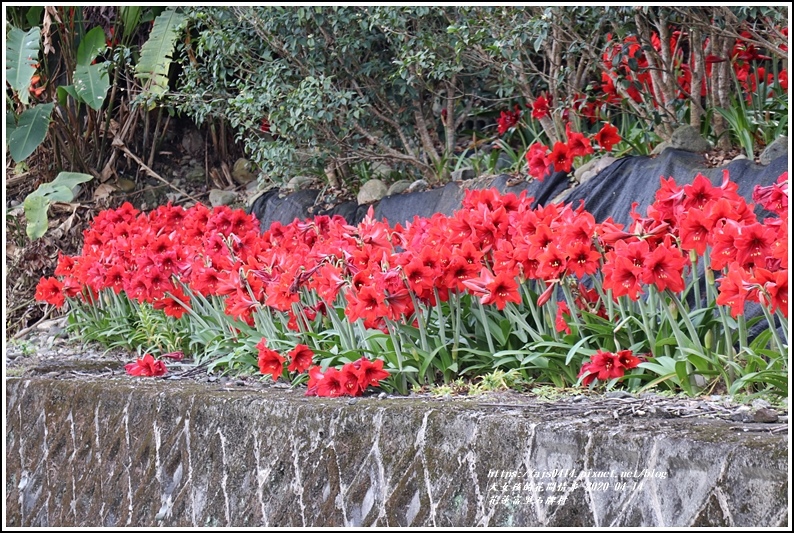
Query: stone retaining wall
pixel 121 452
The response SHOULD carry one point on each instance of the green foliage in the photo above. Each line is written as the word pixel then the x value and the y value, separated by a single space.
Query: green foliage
pixel 36 204
pixel 155 58
pixel 22 52
pixel 28 131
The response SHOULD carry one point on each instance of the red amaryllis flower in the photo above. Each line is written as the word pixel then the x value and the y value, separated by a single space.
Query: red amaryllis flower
pixel 500 290
pixel 537 161
pixel 623 277
pixel 146 367
pixel 627 359
pixel 540 108
pixel 733 291
pixel 603 366
pixel 578 145
pixel 270 362
pixel 607 137
pixel 695 230
pixel 754 243
pixel 561 157
pixel 370 372
pixel 316 375
pixel 332 384
pixel 300 358
pixel 350 382
pixel 559 323
pixel 50 290
pixel 508 119
pixel 774 197
pixel 583 258
pixel 664 267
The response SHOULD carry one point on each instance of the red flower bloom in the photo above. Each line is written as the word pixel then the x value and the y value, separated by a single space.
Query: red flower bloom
pixel 607 137
pixel 146 367
pixel 508 119
pixel 664 268
pixel 695 231
pixel 300 358
pixel 370 373
pixel 561 157
pixel 350 380
pixel 559 323
pixel 332 384
pixel 582 258
pixel 602 366
pixel 50 290
pixel 540 108
pixel 578 145
pixel 270 362
pixel 754 244
pixel 733 291
pixel 497 290
pixel 623 277
pixel 538 161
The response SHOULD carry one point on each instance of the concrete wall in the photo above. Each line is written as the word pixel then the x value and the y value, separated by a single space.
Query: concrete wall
pixel 122 452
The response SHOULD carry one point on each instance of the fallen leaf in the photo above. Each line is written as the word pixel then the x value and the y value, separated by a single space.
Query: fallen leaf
pixel 103 191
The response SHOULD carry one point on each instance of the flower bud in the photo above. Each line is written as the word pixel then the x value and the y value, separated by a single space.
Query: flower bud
pixel 708 341
pixel 673 310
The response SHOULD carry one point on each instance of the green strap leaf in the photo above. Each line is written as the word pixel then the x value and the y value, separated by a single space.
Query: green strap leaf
pixel 155 53
pixel 22 52
pixel 92 83
pixel 30 131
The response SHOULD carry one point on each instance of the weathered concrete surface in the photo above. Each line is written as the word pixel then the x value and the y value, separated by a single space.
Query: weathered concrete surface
pixel 121 452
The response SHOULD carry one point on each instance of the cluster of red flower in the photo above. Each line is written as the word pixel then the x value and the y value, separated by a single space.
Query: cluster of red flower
pixel 561 156
pixel 378 272
pixel 607 365
pixel 635 71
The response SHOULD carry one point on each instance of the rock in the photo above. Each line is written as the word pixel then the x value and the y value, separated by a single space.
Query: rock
pixel 577 173
pixel 382 396
pixel 765 416
pixel 760 404
pixel 125 185
pixel 252 187
pixel 398 187
pixel 462 174
pixel 192 142
pixel 619 394
pixel 195 174
pixel 298 183
pixel 372 191
pixel 380 170
pixel 661 147
pixel 418 185
pixel 593 167
pixel 776 148
pixel 742 414
pixel 688 138
pixel 738 157
pixel 586 176
pixel 220 197
pixel 241 172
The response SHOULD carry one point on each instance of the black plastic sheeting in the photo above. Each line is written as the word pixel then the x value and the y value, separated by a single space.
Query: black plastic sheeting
pixel 610 193
pixel 636 179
